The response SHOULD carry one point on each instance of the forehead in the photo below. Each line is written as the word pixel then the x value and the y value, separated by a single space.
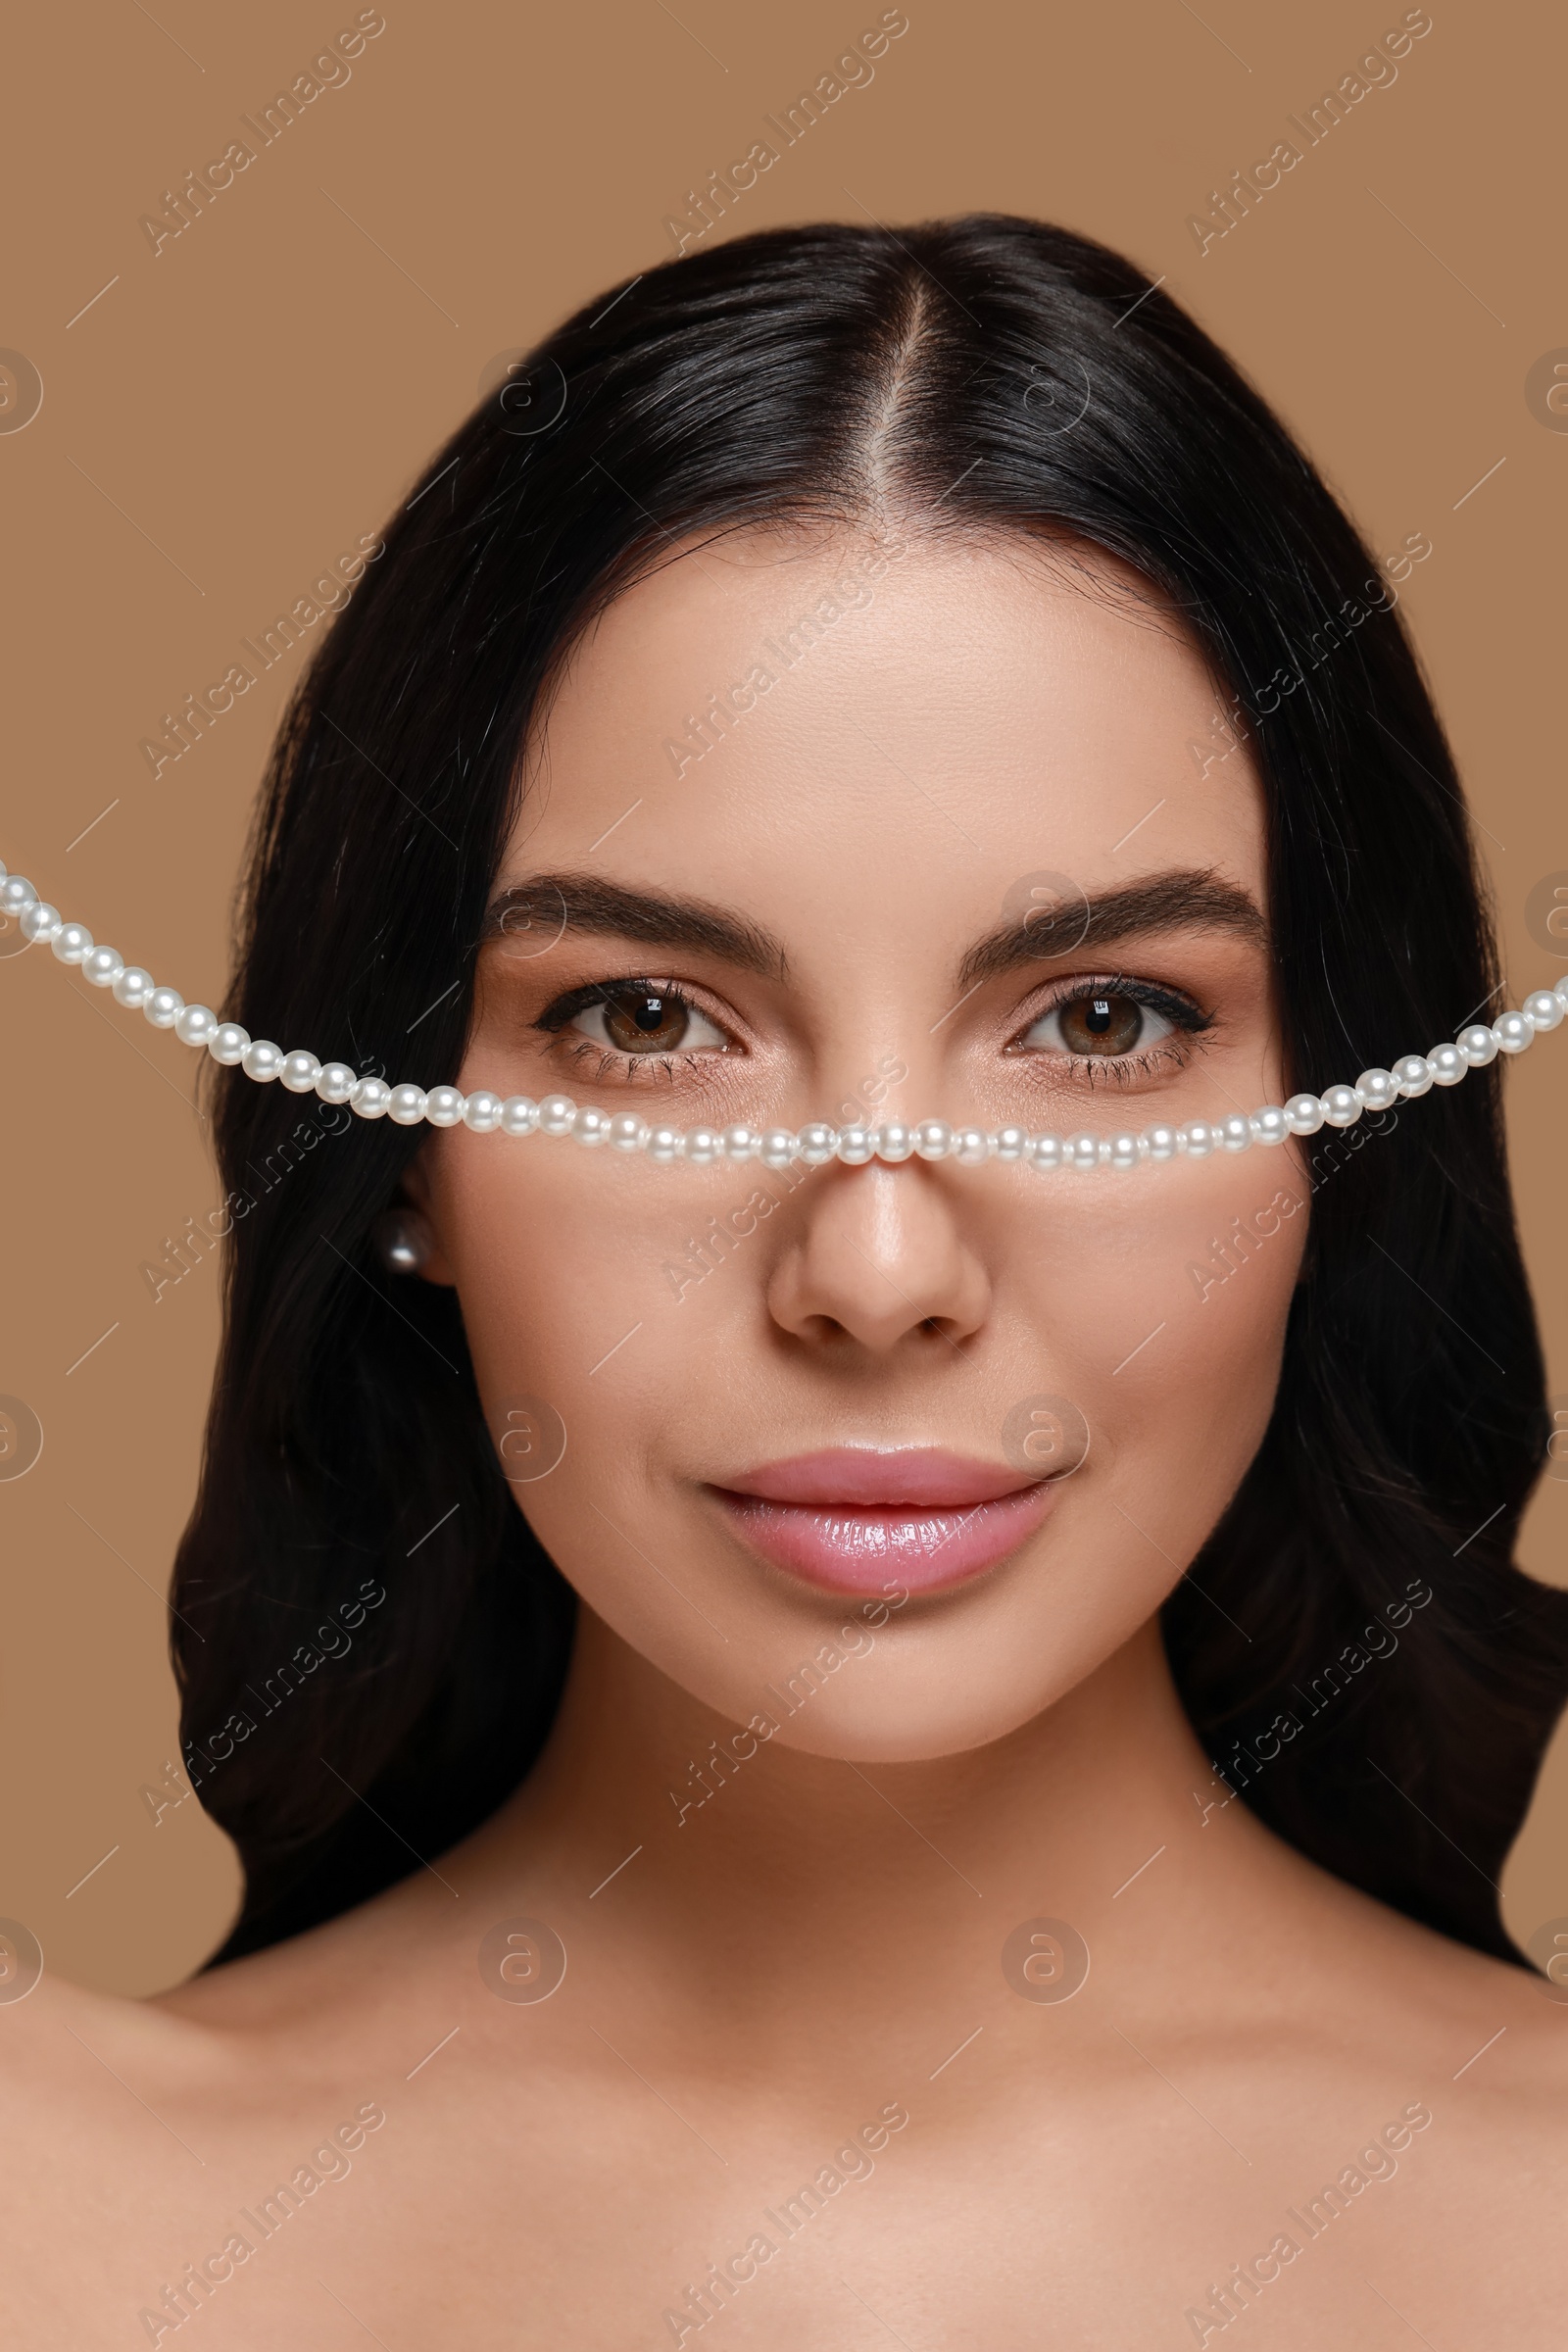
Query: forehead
pixel 874 725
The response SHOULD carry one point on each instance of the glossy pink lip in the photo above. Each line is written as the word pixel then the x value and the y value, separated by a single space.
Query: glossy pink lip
pixel 853 1519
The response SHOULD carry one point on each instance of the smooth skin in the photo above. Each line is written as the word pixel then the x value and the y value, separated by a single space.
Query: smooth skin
pixel 761 1983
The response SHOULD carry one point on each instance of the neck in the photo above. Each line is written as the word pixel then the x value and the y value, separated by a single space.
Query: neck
pixel 737 1869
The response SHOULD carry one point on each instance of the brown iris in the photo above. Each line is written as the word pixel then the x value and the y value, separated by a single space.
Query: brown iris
pixel 643 1019
pixel 1101 1024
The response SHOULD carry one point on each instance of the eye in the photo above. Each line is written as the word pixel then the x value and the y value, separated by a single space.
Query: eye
pixel 1103 1023
pixel 642 1016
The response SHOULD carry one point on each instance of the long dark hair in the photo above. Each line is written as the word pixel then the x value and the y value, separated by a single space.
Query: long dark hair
pixel 370 1641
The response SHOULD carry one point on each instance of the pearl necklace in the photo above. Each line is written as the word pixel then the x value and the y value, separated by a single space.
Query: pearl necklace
pixel 775 1147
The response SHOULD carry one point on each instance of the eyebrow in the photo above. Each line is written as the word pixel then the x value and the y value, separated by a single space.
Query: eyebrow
pixel 1182 899
pixel 1178 900
pixel 609 910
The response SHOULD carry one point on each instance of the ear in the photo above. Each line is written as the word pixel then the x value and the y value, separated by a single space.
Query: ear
pixel 415 1192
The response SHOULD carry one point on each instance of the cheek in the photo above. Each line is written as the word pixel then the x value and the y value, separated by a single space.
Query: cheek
pixel 1185 1414
pixel 606 1295
pixel 1168 1312
pixel 556 1262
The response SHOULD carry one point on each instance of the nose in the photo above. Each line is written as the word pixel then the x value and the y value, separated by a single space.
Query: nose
pixel 880 1258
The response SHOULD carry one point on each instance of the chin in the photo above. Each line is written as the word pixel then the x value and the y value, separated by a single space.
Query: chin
pixel 912 1703
pixel 893 1735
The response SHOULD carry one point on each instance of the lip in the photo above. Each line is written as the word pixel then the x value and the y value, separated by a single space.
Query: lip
pixel 854 1519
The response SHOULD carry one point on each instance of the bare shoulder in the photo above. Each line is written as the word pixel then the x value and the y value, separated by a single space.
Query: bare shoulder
pixel 1478 2041
pixel 270 2044
pixel 64 2049
pixel 96 2092
pixel 1503 2026
pixel 1348 2014
pixel 1506 2030
pixel 163 2119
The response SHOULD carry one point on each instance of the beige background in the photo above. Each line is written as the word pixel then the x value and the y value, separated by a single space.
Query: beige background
pixel 232 414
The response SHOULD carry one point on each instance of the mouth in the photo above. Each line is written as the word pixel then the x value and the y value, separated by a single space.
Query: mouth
pixel 854 1519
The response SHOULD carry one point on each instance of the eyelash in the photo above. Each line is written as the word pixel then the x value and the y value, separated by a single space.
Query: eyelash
pixel 1189 1023
pixel 629 1070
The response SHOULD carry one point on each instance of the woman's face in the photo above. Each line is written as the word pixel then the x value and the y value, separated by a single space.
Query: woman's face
pixel 882 831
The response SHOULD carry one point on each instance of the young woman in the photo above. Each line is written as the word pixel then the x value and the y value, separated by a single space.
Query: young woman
pixel 851 1717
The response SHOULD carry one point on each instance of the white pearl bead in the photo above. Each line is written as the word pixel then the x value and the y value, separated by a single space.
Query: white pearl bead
pixel 369 1100
pixel 132 987
pixel 481 1112
pixel 227 1042
pixel 195 1024
pixel 72 942
pixel 103 967
pixel 41 921
pixel 335 1081
pixel 893 1140
pixel 443 1106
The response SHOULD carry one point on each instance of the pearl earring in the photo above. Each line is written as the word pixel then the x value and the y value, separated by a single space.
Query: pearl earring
pixel 403 1240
